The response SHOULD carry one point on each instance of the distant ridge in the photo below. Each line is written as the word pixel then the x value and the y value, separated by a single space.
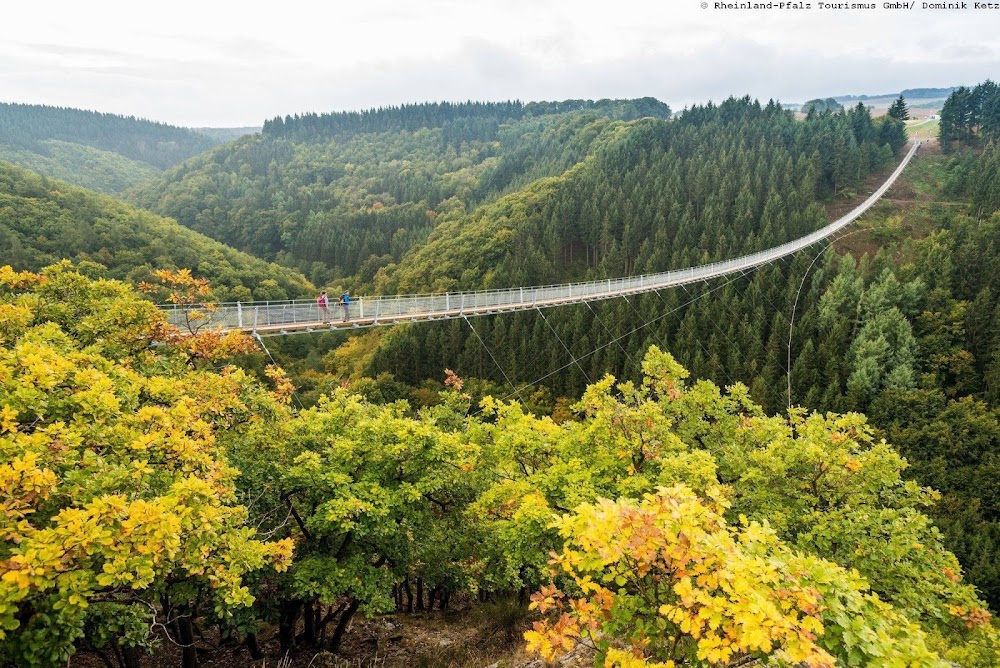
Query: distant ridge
pixel 109 153
pixel 454 114
pixel 157 144
pixel 226 134
pixel 908 93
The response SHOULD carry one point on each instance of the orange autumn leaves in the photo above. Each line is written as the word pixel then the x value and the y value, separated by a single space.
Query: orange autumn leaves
pixel 664 581
pixel 112 478
pixel 201 342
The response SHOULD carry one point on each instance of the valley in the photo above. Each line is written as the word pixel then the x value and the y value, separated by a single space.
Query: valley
pixel 793 460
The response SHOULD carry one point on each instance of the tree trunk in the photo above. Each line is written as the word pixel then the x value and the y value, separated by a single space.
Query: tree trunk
pixel 131 657
pixel 254 647
pixel 189 658
pixel 287 620
pixel 104 657
pixel 310 623
pixel 409 594
pixel 437 593
pixel 345 619
pixel 420 594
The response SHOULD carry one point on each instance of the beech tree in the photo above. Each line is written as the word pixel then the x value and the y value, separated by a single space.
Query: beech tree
pixel 116 503
pixel 665 581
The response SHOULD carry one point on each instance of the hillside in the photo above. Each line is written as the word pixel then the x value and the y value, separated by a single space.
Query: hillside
pixel 638 468
pixel 720 182
pixel 102 171
pixel 339 195
pixel 43 221
pixel 104 152
pixel 159 500
pixel 656 195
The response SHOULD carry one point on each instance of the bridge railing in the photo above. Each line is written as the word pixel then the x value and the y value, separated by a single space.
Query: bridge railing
pixel 371 310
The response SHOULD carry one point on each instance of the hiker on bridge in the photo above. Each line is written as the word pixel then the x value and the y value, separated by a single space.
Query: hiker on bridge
pixel 345 301
pixel 323 302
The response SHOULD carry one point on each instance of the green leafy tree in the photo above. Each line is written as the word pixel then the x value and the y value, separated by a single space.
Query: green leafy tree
pixel 114 495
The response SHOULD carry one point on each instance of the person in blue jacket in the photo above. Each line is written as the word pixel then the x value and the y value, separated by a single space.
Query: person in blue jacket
pixel 345 301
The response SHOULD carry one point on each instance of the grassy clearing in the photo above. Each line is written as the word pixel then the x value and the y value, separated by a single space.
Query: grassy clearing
pixel 913 209
pixel 923 129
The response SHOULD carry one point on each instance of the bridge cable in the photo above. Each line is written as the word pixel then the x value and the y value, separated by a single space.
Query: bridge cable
pixel 666 347
pixel 572 356
pixel 261 342
pixel 490 352
pixel 774 309
pixel 657 335
pixel 701 344
pixel 766 295
pixel 791 321
pixel 611 333
pixel 788 370
pixel 619 338
pixel 743 358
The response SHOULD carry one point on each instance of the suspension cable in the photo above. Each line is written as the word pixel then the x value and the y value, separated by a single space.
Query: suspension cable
pixel 261 342
pixel 490 352
pixel 559 339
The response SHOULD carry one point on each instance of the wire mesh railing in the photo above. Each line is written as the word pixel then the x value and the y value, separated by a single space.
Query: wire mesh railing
pixel 276 317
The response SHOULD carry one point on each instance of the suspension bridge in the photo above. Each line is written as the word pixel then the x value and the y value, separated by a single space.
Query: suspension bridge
pixel 272 318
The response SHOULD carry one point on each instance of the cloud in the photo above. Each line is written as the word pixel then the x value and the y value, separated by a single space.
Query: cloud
pixel 72 51
pixel 220 68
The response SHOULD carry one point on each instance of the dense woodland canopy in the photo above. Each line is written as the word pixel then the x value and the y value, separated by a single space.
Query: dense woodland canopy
pixel 91 168
pixel 339 195
pixel 43 221
pixel 344 207
pixel 103 152
pixel 147 483
pixel 470 485
pixel 719 182
pixel 464 120
pixel 157 144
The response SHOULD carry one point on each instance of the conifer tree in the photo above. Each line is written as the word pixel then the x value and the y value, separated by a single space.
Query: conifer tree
pixel 898 110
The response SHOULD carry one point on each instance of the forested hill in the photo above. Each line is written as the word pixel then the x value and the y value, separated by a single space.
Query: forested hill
pixel 104 152
pixel 156 144
pixel 344 194
pixel 43 221
pixel 465 120
pixel 654 195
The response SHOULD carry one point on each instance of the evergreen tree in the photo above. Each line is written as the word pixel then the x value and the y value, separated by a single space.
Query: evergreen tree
pixel 898 110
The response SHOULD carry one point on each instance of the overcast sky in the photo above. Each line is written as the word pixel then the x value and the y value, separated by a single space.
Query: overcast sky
pixel 215 63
